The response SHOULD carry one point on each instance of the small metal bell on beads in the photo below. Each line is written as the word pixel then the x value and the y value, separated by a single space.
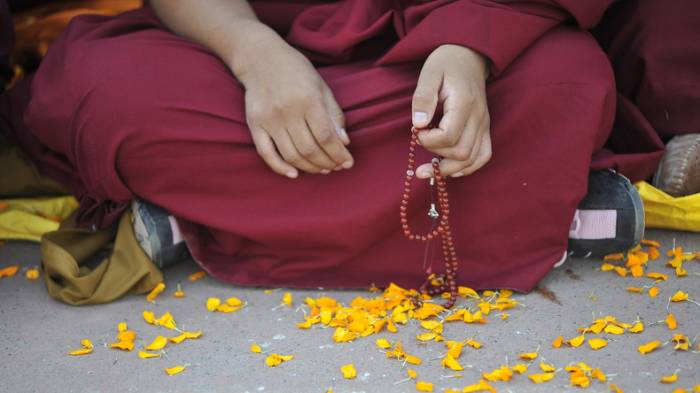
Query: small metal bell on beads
pixel 435 284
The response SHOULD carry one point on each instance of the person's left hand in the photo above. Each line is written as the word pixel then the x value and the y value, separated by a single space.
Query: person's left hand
pixel 454 76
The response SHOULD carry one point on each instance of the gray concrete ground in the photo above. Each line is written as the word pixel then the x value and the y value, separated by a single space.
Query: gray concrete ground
pixel 37 332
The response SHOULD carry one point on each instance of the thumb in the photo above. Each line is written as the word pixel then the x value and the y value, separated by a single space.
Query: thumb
pixel 425 98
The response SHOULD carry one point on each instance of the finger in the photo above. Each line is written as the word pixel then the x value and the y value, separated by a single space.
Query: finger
pixel 425 97
pixel 326 136
pixel 484 155
pixel 266 149
pixel 468 145
pixel 289 152
pixel 336 115
pixel 307 146
pixel 458 108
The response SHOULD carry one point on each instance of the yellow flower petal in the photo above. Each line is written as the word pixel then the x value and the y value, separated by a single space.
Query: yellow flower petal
pixel 148 355
pixel 671 322
pixel 597 343
pixel 528 355
pixel 175 370
pixel 657 276
pixel 287 299
pixel 149 317
pixel 128 335
pixel 186 336
pixel 613 329
pixel 122 327
pixel 226 308
pixel 467 292
pixel 540 378
pixel 580 380
pixel 557 342
pixel 473 343
pixel 648 347
pixel 598 374
pixel 234 302
pixel 158 343
pixel 79 352
pixel 520 368
pixel 423 386
pixel 383 343
pixel 637 327
pixel 275 359
pixel 451 363
pixel 167 321
pixel 255 348
pixel 576 341
pixel 9 271
pixel 615 389
pixel 670 378
pixel 348 371
pixel 482 386
pixel 411 373
pixel 413 360
pixel 546 367
pixel 213 303
pixel 197 276
pixel 635 289
pixel 179 293
pixel 123 345
pixel 653 291
pixel 160 287
pixel 679 296
pixel 32 274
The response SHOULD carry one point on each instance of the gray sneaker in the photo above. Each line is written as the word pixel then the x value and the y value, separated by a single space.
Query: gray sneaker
pixel 609 219
pixel 153 228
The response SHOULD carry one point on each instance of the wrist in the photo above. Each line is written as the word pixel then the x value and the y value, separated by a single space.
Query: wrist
pixel 245 54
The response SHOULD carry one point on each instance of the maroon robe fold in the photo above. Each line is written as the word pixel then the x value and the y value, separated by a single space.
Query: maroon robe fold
pixel 121 109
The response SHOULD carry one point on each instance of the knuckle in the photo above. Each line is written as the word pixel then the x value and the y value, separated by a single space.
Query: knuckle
pixel 324 137
pixel 307 151
pixel 461 154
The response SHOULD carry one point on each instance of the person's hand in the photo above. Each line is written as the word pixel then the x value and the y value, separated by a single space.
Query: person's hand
pixel 294 119
pixel 455 77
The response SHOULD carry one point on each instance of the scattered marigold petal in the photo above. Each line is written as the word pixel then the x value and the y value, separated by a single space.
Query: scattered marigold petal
pixel 160 287
pixel 682 342
pixel 276 359
pixel 186 336
pixel 167 321
pixel 614 257
pixel 467 292
pixel 654 253
pixel 576 341
pixel 122 327
pixel 650 243
pixel 123 345
pixel 546 367
pixel 657 276
pixel 671 322
pixel 149 317
pixel 637 327
pixel 669 378
pixel 528 355
pixel 615 389
pixel 348 371
pixel 175 370
pixel 234 302
pixel 557 342
pixel 255 348
pixel 520 368
pixel 635 289
pixel 451 363
pixel 614 329
pixel 179 293
pixel 637 271
pixel 423 386
pixel 225 308
pixel 482 386
pixel 213 303
pixel 473 343
pixel 287 299
pixel 580 380
pixel 413 360
pixel 621 271
pixel 197 276
pixel 9 271
pixel 87 348
pixel 540 378
pixel 648 347
pixel 599 375
pixel 679 296
pixel 127 335
pixel 32 274
pixel 653 291
pixel 148 355
pixel 597 343
pixel 383 343
pixel 412 373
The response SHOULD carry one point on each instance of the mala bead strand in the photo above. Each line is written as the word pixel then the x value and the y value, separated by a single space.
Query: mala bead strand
pixel 441 283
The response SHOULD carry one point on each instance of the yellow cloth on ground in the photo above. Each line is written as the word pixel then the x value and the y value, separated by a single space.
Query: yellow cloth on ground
pixel 665 211
pixel 30 218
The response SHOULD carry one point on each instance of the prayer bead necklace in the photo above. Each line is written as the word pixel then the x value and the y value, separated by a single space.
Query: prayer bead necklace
pixel 435 284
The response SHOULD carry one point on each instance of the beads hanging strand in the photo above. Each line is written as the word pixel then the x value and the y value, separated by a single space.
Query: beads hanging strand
pixel 446 282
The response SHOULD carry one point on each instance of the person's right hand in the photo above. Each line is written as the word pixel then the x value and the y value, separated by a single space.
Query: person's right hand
pixel 294 119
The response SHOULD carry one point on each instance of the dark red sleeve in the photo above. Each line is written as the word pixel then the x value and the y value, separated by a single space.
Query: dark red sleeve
pixel 500 30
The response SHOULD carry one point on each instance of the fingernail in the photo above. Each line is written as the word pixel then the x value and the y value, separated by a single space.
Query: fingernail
pixel 325 171
pixel 458 174
pixel 338 168
pixel 292 174
pixel 343 135
pixel 423 172
pixel 419 118
pixel 347 164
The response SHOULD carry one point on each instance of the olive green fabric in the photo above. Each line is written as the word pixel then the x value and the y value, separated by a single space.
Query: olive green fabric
pixel 18 176
pixel 66 251
pixel 127 270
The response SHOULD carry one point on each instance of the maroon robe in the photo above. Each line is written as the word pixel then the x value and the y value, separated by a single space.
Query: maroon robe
pixel 121 109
